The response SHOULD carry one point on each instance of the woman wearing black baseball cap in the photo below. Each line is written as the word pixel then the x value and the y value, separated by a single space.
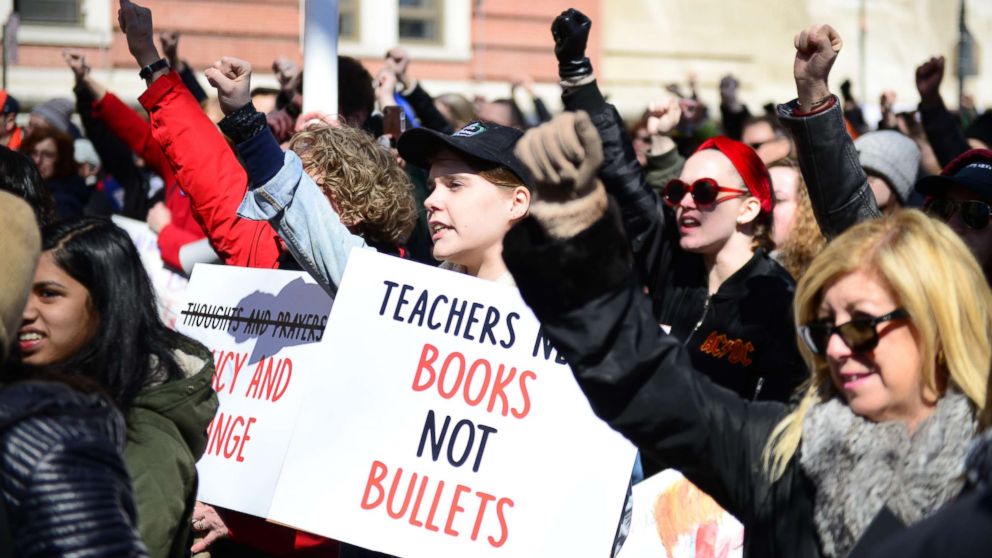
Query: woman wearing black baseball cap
pixel 479 189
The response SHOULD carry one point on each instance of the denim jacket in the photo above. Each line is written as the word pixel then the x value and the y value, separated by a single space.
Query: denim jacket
pixel 299 212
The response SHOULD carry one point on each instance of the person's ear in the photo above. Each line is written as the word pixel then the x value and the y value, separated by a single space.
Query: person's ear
pixel 749 210
pixel 520 203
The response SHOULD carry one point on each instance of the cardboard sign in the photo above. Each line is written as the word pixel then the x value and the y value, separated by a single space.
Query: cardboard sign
pixel 445 425
pixel 264 328
pixel 169 285
pixel 674 519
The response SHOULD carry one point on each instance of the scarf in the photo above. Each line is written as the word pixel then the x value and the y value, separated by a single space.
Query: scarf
pixel 858 466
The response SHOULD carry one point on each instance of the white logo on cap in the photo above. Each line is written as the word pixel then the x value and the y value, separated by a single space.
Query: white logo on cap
pixel 985 166
pixel 472 129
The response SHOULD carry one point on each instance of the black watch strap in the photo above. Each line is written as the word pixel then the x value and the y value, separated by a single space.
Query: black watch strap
pixel 155 66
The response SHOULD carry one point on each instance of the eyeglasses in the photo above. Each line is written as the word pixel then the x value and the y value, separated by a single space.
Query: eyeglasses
pixel 975 214
pixel 860 334
pixel 704 192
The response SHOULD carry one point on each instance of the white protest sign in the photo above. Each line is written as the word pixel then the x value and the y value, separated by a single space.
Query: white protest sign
pixel 264 328
pixel 169 285
pixel 674 519
pixel 320 56
pixel 446 428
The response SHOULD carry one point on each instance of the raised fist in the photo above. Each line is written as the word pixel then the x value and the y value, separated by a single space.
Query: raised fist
pixel 664 116
pixel 816 50
pixel 136 23
pixel 571 33
pixel 928 78
pixel 563 156
pixel 170 46
pixel 231 77
pixel 77 63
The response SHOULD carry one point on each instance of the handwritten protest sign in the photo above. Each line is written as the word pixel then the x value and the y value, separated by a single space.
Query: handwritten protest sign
pixel 169 285
pixel 447 426
pixel 264 328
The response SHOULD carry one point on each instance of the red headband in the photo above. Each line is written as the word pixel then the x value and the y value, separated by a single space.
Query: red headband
pixel 748 165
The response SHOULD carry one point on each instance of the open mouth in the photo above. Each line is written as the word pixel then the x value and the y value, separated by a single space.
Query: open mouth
pixel 687 222
pixel 438 230
pixel 29 340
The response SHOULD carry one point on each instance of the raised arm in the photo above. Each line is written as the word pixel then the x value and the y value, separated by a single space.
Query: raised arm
pixel 838 186
pixel 206 167
pixel 943 130
pixel 579 281
pixel 398 60
pixel 283 194
pixel 116 157
pixel 640 207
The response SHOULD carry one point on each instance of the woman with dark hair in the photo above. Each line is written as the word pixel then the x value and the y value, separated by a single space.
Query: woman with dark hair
pixel 57 444
pixel 53 153
pixel 78 322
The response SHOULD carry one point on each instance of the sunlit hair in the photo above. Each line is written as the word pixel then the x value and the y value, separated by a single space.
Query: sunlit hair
pixel 806 240
pixel 502 177
pixel 460 109
pixel 933 276
pixel 362 180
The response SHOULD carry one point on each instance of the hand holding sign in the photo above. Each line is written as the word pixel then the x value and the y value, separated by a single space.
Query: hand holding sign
pixel 231 77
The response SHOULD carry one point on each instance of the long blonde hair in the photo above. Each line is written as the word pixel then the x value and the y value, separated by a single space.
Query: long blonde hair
pixel 934 277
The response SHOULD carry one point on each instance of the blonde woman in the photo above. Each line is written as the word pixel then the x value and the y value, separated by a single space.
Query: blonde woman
pixel 895 326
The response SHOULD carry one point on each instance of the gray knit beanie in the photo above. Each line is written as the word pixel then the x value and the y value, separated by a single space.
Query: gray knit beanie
pixel 57 112
pixel 893 156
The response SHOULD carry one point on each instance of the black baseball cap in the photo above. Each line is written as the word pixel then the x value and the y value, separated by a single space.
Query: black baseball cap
pixel 972 171
pixel 483 142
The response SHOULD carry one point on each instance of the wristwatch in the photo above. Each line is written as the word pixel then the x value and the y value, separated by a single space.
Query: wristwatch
pixel 155 66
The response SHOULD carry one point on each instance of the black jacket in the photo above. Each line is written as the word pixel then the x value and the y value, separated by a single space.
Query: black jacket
pixel 743 336
pixel 643 384
pixel 66 491
pixel 838 186
pixel 943 131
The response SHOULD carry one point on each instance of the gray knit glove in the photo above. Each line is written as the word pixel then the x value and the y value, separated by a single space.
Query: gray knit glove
pixel 563 156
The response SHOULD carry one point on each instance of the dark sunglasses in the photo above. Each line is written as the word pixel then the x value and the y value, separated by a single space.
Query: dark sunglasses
pixel 860 334
pixel 975 214
pixel 704 192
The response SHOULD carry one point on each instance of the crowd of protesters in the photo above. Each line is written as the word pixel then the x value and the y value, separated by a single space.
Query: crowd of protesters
pixel 792 309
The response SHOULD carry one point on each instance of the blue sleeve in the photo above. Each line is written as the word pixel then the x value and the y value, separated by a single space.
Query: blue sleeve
pixel 305 220
pixel 262 157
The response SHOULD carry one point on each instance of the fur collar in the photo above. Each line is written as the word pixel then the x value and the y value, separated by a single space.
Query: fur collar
pixel 859 466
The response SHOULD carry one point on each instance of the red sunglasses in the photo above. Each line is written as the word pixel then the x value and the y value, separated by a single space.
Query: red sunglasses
pixel 704 192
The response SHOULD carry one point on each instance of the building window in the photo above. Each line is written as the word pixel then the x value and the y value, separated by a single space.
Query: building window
pixel 48 12
pixel 420 21
pixel 348 22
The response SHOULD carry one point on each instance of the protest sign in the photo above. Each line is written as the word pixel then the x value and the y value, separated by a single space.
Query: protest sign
pixel 448 426
pixel 674 519
pixel 169 285
pixel 264 329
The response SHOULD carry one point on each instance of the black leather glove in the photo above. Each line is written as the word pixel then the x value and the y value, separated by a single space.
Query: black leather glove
pixel 571 32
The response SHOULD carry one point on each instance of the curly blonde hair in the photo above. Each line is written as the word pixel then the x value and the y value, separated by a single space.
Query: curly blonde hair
pixel 364 183
pixel 806 240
